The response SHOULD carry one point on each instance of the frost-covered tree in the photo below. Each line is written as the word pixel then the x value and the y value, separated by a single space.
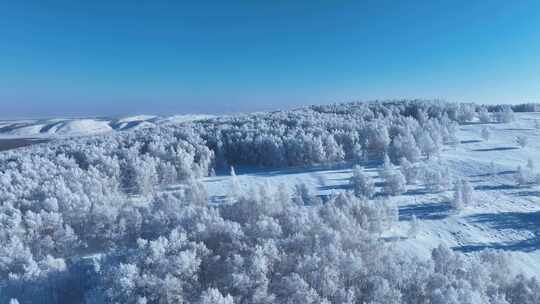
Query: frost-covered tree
pixel 379 138
pixel 358 153
pixel 435 179
pixel 405 146
pixel 485 133
pixel 537 179
pixel 463 195
pixel 236 189
pixel 167 173
pixel 361 183
pixel 387 163
pixel 195 192
pixel 467 191
pixel 505 115
pixel 435 176
pixel 492 168
pixel 530 164
pixel 521 176
pixel 408 170
pixel 394 183
pixel 457 199
pixel 446 179
pixel 521 141
pixel 466 112
pixel 334 151
pixel 304 194
pixel 428 146
pixel 140 173
pixel 413 227
pixel 483 115
pixel 422 116
pixel 213 296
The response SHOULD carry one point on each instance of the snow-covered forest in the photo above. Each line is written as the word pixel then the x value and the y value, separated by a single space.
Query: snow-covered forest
pixel 178 212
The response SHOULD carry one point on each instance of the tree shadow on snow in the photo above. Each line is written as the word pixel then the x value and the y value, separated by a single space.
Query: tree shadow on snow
pixel 527 245
pixel 529 221
pixel 494 187
pixel 341 179
pixel 472 141
pixel 476 181
pixel 495 149
pixel 214 180
pixel 335 187
pixel 429 211
pixel 379 184
pixel 472 123
pixel 340 167
pixel 419 191
pixel 216 199
pixel 528 193
pixel 295 170
pixel 507 172
pixel 518 129
pixel 509 220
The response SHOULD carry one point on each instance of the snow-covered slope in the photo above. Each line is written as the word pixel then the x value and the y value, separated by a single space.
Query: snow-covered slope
pixel 47 128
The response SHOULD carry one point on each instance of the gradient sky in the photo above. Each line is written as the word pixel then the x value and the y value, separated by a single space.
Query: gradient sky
pixel 81 58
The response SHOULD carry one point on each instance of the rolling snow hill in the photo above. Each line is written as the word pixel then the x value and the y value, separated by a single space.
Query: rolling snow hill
pixel 54 128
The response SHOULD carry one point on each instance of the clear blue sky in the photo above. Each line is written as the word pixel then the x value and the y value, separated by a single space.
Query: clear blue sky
pixel 65 58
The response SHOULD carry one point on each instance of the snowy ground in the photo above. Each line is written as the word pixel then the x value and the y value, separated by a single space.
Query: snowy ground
pixel 504 216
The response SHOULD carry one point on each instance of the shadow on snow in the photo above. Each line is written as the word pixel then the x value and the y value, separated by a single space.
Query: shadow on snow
pixel 495 149
pixel 529 221
pixel 335 187
pixel 471 141
pixel 429 211
pixel 507 172
pixel 344 167
pixel 495 187
pixel 528 193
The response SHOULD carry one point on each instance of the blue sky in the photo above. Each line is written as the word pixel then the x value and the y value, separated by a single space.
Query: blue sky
pixel 79 58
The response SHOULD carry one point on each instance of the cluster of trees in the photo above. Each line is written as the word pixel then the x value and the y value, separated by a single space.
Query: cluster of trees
pixel 338 132
pixel 463 195
pixel 88 220
pixel 323 134
pixel 525 176
pixel 63 199
pixel 526 107
pixel 267 247
pixel 361 183
pixel 432 175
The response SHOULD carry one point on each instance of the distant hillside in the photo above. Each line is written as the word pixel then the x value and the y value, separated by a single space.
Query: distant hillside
pixel 59 127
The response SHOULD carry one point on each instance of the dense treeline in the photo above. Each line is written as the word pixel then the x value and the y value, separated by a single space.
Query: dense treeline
pixel 322 134
pixel 104 200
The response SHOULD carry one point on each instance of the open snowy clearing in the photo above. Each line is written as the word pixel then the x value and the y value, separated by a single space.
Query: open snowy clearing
pixel 504 215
